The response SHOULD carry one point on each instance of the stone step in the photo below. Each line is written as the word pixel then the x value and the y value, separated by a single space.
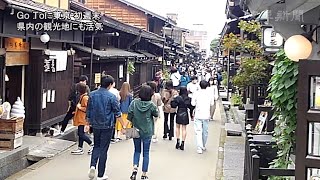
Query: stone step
pixel 13 161
pixel 233 129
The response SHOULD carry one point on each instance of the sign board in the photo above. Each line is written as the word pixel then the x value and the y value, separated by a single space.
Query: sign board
pixel 121 71
pixel 17 58
pixel 271 39
pixel 16 44
pixel 49 65
pixel 97 78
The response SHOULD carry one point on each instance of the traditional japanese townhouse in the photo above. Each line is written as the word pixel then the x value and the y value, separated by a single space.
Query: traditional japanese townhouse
pixel 137 16
pixel 40 73
pixel 115 48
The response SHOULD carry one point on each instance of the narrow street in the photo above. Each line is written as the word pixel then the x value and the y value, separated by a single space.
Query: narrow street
pixel 165 161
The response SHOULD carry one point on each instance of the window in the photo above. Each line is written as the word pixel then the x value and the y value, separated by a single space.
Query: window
pixel 314 139
pixel 313 174
pixel 315 93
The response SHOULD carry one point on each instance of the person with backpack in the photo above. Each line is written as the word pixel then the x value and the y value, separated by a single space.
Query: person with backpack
pixel 184 80
pixel 80 121
pixel 73 100
pixel 183 102
pixel 168 94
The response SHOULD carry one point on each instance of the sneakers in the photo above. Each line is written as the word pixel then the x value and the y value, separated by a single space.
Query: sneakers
pixel 92 172
pixel 90 150
pixel 154 140
pixel 78 151
pixel 144 177
pixel 103 178
pixel 204 149
pixel 199 151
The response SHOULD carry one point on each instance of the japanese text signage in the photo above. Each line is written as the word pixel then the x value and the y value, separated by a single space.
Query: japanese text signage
pixel 16 44
pixel 272 38
pixel 50 65
pixel 50 21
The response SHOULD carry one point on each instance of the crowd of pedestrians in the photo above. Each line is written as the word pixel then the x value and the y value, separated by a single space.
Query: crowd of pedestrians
pixel 189 95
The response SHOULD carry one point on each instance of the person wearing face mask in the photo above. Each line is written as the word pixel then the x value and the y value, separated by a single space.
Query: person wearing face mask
pixel 213 90
pixel 192 88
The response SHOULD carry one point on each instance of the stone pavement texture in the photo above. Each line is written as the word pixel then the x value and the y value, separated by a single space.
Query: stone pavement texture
pixel 166 163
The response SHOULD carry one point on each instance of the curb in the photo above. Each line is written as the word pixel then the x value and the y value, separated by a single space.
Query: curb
pixel 223 135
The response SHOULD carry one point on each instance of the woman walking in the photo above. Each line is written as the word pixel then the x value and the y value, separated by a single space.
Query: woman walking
pixel 167 96
pixel 183 102
pixel 141 113
pixel 80 120
pixel 125 101
pixel 213 91
pixel 156 99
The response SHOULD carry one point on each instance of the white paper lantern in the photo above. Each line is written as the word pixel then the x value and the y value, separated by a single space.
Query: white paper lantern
pixel 298 47
pixel 45 38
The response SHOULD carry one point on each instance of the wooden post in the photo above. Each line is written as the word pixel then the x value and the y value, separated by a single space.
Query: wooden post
pixel 255 167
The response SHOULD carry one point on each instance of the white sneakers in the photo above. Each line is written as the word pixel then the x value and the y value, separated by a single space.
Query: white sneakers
pixel 200 150
pixel 78 151
pixel 103 178
pixel 154 140
pixel 92 174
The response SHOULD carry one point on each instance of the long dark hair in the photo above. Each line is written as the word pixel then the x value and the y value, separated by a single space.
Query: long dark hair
pixel 169 85
pixel 183 91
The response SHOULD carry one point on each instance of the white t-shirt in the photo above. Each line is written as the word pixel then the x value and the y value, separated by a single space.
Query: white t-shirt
pixel 175 77
pixel 202 102
pixel 192 88
pixel 115 92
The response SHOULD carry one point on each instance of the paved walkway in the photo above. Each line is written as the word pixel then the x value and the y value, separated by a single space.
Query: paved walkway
pixel 166 163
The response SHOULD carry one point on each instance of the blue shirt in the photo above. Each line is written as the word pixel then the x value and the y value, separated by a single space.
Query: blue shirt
pixel 184 80
pixel 103 106
pixel 124 105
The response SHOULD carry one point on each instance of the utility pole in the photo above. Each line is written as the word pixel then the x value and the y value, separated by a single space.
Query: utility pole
pixel 228 74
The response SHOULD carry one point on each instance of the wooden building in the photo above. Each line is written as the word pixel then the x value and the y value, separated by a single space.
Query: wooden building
pixel 131 14
pixel 29 68
pixel 111 54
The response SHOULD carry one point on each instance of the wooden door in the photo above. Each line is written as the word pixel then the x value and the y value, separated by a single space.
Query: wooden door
pixel 308 125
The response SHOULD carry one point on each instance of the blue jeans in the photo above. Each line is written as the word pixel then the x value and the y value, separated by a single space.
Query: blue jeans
pixel 101 139
pixel 201 129
pixel 137 152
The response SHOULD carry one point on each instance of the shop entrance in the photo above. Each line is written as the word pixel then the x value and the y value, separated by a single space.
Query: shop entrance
pixel 13 83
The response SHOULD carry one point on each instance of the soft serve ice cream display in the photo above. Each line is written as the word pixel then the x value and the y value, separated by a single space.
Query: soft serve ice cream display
pixel 18 109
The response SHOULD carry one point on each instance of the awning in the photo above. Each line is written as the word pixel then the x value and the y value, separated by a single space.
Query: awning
pixel 159 45
pixel 109 52
pixel 181 52
pixel 148 55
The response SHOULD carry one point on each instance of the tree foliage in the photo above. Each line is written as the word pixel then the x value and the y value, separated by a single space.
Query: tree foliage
pixel 252 70
pixel 214 44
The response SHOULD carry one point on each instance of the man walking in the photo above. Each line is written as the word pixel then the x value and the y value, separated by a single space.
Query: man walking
pixel 202 102
pixel 103 107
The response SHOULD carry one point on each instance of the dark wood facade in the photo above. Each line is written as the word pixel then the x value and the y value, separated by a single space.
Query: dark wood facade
pixel 128 14
pixel 308 117
pixel 36 81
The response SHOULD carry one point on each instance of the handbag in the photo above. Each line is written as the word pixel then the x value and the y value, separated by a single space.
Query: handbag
pixel 132 133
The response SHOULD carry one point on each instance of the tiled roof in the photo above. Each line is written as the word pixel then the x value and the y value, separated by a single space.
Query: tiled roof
pixel 29 4
pixel 148 12
pixel 115 24
pixel 109 52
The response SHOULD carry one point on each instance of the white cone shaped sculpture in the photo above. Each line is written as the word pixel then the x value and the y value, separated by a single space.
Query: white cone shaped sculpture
pixel 18 109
